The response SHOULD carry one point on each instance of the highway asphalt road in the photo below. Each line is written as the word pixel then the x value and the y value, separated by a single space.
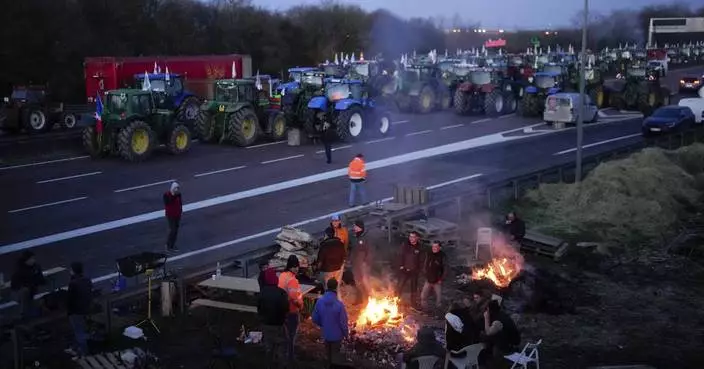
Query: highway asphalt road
pixel 99 210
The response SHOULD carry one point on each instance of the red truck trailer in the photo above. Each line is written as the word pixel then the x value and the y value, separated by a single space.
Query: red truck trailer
pixel 200 71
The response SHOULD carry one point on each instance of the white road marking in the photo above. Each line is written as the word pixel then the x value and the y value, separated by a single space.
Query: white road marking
pixel 507 116
pixel 458 180
pixel 44 162
pixel 282 159
pixel 334 149
pixel 452 126
pixel 45 205
pixel 400 121
pixel 418 133
pixel 263 190
pixel 482 120
pixel 380 140
pixel 266 144
pixel 598 143
pixel 256 235
pixel 194 140
pixel 143 186
pixel 69 177
pixel 219 171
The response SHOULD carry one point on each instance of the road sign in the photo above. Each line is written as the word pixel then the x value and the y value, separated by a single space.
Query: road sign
pixel 535 41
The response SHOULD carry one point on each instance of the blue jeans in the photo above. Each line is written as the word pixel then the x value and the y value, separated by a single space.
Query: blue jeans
pixel 292 320
pixel 357 187
pixel 78 324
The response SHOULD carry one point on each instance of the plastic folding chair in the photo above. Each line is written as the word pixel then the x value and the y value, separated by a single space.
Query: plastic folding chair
pixel 529 354
pixel 424 362
pixel 469 361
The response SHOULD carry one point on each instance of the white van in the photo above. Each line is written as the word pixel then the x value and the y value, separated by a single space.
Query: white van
pixel 563 107
pixel 697 106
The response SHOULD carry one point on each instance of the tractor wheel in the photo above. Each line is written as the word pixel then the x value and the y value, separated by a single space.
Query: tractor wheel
pixel 350 123
pixel 510 103
pixel 205 127
pixel 493 103
pixel 383 122
pixel 91 143
pixel 596 93
pixel 243 127
pixel 643 103
pixel 445 100
pixel 529 105
pixel 616 101
pixel 179 139
pixel 136 141
pixel 277 126
pixel 461 102
pixel 310 123
pixel 425 101
pixel 188 111
pixel 200 123
pixel 68 120
pixel 37 122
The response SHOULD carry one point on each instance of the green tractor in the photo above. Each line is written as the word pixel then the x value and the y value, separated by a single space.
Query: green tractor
pixel 594 83
pixel 420 88
pixel 132 127
pixel 639 89
pixel 240 114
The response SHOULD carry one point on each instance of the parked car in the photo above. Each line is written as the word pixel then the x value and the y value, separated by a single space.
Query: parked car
pixel 691 83
pixel 668 119
pixel 563 107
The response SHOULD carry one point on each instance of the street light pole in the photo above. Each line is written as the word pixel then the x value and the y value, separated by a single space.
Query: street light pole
pixel 580 118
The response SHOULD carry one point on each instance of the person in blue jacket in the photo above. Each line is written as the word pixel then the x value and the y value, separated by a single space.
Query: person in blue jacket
pixel 331 316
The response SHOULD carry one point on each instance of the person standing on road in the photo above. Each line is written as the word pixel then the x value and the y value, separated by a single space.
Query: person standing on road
pixel 26 279
pixel 79 304
pixel 288 281
pixel 173 208
pixel 327 136
pixel 357 173
pixel 272 308
pixel 435 272
pixel 361 256
pixel 410 265
pixel 331 316
pixel 331 257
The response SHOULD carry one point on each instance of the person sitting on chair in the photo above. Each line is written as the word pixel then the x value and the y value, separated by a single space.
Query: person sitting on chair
pixel 426 345
pixel 501 335
pixel 460 330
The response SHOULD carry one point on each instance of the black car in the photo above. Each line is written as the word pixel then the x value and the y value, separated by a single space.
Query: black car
pixel 691 83
pixel 668 119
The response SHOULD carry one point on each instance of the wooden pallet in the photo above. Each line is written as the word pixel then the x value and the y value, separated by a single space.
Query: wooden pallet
pixel 106 360
pixel 430 226
pixel 411 195
pixel 544 245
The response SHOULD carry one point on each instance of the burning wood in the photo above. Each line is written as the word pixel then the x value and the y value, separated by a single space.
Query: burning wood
pixel 503 268
pixel 382 322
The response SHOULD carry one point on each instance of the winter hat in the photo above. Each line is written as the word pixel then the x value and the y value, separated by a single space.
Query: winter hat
pixel 270 277
pixel 174 186
pixel 335 217
pixel 359 223
pixel 292 262
pixel 455 322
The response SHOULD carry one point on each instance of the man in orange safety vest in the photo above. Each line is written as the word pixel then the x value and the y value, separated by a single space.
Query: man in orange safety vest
pixel 357 173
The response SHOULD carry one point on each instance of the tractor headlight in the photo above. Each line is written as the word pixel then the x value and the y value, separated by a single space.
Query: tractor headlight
pixel 6 99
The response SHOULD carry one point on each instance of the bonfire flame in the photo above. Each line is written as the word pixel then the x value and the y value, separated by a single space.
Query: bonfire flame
pixel 499 271
pixel 383 313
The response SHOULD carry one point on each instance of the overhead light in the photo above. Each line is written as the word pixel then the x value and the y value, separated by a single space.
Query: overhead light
pixel 501 31
pixel 547 32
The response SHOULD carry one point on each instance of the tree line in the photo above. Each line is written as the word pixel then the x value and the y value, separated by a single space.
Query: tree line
pixel 46 41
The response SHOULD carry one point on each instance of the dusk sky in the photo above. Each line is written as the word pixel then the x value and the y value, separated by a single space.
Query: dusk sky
pixel 491 13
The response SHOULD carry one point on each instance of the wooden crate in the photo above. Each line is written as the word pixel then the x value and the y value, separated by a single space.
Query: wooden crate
pixel 432 229
pixel 411 195
pixel 106 360
pixel 544 245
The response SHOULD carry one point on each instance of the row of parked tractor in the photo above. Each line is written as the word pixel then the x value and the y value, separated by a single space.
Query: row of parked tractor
pixel 354 97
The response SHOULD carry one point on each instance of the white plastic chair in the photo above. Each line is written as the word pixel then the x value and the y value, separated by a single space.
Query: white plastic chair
pixel 469 361
pixel 528 355
pixel 425 362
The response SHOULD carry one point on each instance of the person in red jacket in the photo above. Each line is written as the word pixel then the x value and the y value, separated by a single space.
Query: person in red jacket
pixel 173 208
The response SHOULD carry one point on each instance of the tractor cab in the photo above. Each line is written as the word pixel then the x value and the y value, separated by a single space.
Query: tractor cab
pixel 554 68
pixel 235 91
pixel 545 81
pixel 121 106
pixel 167 88
pixel 295 76
pixel 420 72
pixel 483 76
pixel 363 70
pixel 339 89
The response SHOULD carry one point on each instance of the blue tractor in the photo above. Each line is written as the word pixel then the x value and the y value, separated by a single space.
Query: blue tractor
pixel 170 94
pixel 295 75
pixel 304 84
pixel 541 85
pixel 347 108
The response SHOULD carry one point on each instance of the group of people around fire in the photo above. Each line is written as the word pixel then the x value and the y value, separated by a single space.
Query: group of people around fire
pixel 345 258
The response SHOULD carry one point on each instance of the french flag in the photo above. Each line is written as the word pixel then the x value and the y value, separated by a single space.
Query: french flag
pixel 98 115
